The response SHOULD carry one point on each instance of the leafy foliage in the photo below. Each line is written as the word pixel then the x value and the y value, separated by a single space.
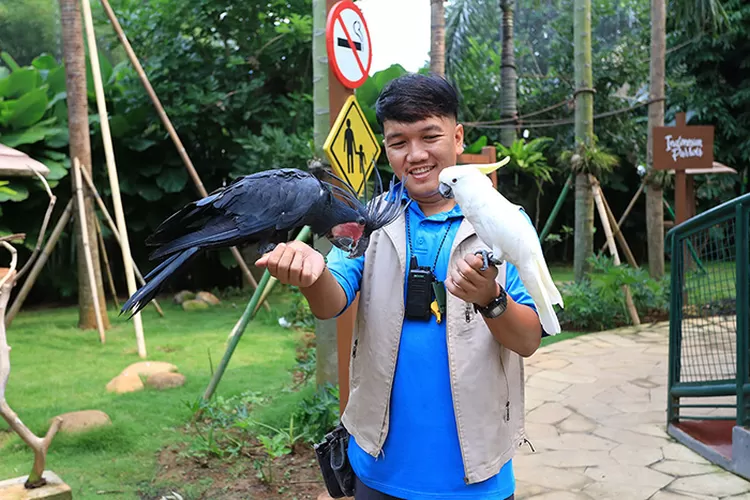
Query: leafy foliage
pixel 598 303
pixel 589 159
pixel 29 28
pixel 716 92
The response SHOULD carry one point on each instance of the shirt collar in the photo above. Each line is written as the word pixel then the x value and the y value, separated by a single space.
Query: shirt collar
pixel 441 217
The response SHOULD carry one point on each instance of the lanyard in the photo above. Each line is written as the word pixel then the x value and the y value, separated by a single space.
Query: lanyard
pixel 411 249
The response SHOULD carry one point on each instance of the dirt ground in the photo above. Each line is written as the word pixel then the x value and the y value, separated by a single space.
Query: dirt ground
pixel 293 477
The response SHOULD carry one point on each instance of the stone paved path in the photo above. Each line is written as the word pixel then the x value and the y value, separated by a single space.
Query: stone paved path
pixel 596 413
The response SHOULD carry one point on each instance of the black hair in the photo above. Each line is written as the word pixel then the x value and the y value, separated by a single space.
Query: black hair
pixel 414 97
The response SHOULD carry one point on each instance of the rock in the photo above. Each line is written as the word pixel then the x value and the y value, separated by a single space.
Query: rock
pixel 194 305
pixel 208 298
pixel 125 382
pixel 163 381
pixel 55 489
pixel 129 380
pixel 84 420
pixel 182 296
pixel 147 368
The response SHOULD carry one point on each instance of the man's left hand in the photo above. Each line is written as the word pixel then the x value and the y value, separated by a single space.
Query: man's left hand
pixel 470 284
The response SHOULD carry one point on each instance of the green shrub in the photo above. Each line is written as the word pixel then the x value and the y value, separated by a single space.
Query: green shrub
pixel 598 302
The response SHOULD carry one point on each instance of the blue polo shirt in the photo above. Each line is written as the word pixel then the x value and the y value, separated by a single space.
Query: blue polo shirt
pixel 421 456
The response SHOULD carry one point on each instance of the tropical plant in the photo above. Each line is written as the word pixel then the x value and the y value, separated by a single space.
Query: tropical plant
pixel 527 158
pixel 33 120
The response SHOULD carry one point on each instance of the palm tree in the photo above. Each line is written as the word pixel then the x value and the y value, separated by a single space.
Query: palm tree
pixel 437 38
pixel 695 16
pixel 80 147
pixel 584 135
pixel 508 77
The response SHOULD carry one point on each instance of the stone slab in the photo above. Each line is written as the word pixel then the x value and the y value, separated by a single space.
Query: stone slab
pixel 55 489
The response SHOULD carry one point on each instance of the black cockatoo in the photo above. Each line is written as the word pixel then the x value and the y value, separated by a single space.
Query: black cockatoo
pixel 265 208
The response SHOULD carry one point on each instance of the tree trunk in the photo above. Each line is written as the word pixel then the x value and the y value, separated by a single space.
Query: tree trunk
pixel 654 192
pixel 508 76
pixel 80 147
pixel 320 77
pixel 584 132
pixel 437 38
pixel 326 349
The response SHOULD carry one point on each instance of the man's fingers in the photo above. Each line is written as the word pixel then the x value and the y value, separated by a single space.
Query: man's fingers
pixel 468 273
pixel 285 262
pixel 273 259
pixel 296 267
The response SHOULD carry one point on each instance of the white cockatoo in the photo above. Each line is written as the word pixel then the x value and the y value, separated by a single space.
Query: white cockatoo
pixel 501 225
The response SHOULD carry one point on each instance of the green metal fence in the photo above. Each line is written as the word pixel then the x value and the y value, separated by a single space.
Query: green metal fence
pixel 709 303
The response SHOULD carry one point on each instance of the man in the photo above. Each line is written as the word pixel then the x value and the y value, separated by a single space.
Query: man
pixel 436 404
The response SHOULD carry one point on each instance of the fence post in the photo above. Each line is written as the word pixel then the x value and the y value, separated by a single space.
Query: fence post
pixel 675 327
pixel 741 305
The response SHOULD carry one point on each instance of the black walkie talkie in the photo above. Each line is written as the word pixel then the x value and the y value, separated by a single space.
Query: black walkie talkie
pixel 419 291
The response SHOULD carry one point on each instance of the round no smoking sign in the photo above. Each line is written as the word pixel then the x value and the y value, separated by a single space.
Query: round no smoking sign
pixel 348 40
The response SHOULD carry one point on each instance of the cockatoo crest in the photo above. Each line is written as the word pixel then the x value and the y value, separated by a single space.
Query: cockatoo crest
pixel 450 178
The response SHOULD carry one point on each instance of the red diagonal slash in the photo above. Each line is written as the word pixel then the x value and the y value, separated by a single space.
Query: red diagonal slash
pixel 351 45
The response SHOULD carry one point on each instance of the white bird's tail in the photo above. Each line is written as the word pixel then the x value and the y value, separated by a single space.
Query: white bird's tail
pixel 542 289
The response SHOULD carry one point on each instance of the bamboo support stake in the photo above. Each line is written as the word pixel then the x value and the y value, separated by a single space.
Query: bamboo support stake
pixel 241 325
pixel 37 444
pixel 627 210
pixel 107 267
pixel 112 170
pixel 87 248
pixel 617 233
pixel 171 130
pixel 43 229
pixel 113 228
pixel 612 248
pixel 39 263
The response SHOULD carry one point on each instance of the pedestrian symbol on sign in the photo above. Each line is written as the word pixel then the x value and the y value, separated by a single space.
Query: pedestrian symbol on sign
pixel 351 146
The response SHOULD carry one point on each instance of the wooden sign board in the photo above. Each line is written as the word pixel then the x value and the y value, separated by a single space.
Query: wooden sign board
pixel 682 147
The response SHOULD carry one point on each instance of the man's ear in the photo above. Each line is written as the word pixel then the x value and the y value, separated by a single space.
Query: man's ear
pixel 459 139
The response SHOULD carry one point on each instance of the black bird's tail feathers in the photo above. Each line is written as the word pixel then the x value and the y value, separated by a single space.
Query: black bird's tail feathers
pixel 160 275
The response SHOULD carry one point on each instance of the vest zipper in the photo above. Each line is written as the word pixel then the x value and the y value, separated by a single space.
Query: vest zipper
pixel 354 348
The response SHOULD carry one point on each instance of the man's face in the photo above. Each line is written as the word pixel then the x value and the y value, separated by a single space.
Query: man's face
pixel 422 149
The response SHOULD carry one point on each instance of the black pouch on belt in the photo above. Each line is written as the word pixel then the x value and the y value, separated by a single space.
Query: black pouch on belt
pixel 333 460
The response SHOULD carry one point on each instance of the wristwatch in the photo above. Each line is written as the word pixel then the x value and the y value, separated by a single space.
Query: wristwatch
pixel 496 307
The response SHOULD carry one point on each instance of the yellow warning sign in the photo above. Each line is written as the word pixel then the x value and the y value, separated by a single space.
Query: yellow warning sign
pixel 351 146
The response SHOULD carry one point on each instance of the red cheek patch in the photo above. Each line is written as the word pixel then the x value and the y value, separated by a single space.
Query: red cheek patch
pixel 348 230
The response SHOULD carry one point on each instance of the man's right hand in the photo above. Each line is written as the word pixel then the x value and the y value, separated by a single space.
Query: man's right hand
pixel 294 263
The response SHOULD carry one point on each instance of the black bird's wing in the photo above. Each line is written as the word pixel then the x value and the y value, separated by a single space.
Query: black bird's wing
pixel 249 209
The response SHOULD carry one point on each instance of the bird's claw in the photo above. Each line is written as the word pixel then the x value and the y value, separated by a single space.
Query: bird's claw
pixel 265 248
pixel 487 259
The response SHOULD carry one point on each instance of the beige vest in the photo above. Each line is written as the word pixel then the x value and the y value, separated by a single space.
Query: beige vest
pixel 487 379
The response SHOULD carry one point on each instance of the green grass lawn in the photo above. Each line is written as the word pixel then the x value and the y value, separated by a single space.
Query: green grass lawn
pixel 57 368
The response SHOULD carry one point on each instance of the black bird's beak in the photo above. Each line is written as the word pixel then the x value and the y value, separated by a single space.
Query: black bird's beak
pixel 445 190
pixel 343 243
pixel 360 248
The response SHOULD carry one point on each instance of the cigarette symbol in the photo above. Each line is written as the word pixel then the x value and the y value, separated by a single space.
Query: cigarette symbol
pixel 357 29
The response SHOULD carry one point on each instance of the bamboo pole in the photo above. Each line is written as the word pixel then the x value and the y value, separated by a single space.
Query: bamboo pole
pixel 171 130
pixel 617 233
pixel 558 205
pixel 107 267
pixel 112 170
pixel 627 210
pixel 239 328
pixel 596 190
pixel 45 222
pixel 39 263
pixel 87 247
pixel 113 228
